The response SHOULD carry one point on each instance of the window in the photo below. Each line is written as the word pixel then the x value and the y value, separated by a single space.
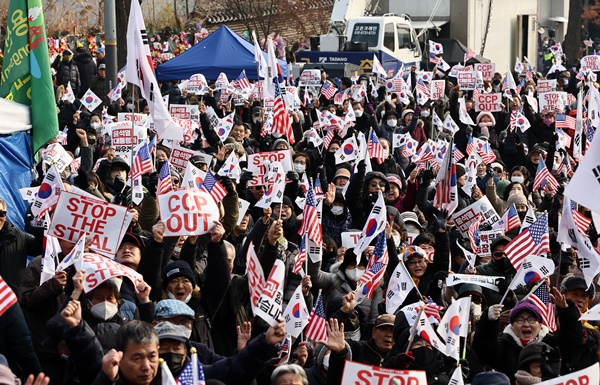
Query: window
pixel 388 37
pixel 404 40
pixel 366 32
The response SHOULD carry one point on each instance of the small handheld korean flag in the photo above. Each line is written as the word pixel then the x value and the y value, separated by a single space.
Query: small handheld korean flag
pixel 231 167
pixel 49 259
pixel 455 324
pixel 48 192
pixel 224 126
pixel 435 119
pixel 90 100
pixel 400 285
pixel 347 152
pixel 450 125
pixel 74 256
pixel 296 314
pixel 533 268
pixel 374 225
pixel 68 95
pixel 269 303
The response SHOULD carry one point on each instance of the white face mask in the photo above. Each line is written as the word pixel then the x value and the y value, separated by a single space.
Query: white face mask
pixel 425 113
pixel 299 168
pixel 392 122
pixel 397 240
pixel 104 310
pixel 96 125
pixel 130 106
pixel 354 274
pixel 326 361
pixel 183 329
pixel 337 210
pixel 518 179
pixel 358 113
pixel 386 153
pixel 186 300
pixel 476 311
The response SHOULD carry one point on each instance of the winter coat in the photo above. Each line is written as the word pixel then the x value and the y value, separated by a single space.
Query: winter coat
pixel 68 72
pixel 366 352
pixel 407 201
pixel 87 69
pixel 86 352
pixel 334 225
pixel 15 341
pixel 15 246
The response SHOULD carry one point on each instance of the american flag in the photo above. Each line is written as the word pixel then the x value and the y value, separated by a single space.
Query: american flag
pixel 152 145
pixel 375 148
pixel 474 234
pixel 317 326
pixel 564 121
pixel 375 269
pixel 301 257
pixel 311 224
pixel 214 187
pixel 541 299
pixel 142 163
pixel 423 92
pixel 241 83
pixel 433 58
pixel 328 90
pixel 164 179
pixel 340 96
pixel 470 145
pixel 186 377
pixel 318 189
pixel 327 139
pixel 510 219
pixel 534 240
pixel 7 297
pixel 281 119
pixel 487 155
pixel 513 120
pixel 432 309
pixel 581 221
pixel 458 155
pixel 543 176
pixel 424 154
pixel 565 165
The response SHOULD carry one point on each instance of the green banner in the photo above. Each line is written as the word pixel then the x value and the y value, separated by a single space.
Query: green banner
pixel 26 77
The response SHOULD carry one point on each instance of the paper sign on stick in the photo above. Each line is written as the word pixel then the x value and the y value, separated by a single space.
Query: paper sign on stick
pixel 187 212
pixel 98 269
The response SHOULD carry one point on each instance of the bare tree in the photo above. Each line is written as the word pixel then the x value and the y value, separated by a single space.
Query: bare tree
pixel 256 15
pixel 573 36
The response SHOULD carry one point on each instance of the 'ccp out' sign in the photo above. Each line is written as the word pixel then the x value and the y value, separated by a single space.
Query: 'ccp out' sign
pixel 488 102
pixel 187 212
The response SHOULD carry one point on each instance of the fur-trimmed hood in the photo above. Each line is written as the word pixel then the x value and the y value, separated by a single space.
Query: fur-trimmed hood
pixel 544 331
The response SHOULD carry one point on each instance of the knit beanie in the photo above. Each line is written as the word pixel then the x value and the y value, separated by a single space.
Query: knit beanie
pixel 516 198
pixel 175 270
pixel 525 305
pixel 531 353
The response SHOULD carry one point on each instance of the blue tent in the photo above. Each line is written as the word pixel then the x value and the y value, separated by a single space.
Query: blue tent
pixel 222 51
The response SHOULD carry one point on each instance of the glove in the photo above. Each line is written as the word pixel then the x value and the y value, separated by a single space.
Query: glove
pixel 441 220
pixel 369 109
pixel 119 184
pixel 502 136
pixel 319 161
pixel 152 183
pixel 246 176
pixel 417 111
pixel 439 278
pixel 427 176
pixel 228 184
pixel 466 370
pixel 404 360
pixel 469 131
pixel 292 175
pixel 490 173
pixel 494 312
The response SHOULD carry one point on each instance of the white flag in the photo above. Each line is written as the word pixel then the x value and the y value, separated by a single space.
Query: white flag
pixel 68 95
pixel 74 256
pixel 455 324
pixel 457 377
pixel 272 73
pixel 462 112
pixel 435 119
pixel 401 283
pixel 528 220
pixel 578 136
pixel 592 315
pixel 231 167
pixel 450 125
pixel 49 259
pixel 141 73
pixel 259 58
pixel 533 268
pixel 374 225
pixel 274 193
pixel 48 192
pixel 378 68
pixel 296 314
pixel 470 257
pixel 423 329
pixel 90 100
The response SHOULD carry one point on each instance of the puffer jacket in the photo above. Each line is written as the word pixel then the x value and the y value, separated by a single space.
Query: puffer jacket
pixel 15 247
pixel 68 72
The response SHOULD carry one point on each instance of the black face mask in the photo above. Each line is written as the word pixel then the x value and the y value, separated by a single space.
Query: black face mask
pixel 425 358
pixel 522 215
pixel 503 264
pixel 174 362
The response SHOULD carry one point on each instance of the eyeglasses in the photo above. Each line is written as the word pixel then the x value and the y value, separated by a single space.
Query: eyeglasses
pixel 521 320
pixel 2 213
pixel 413 262
pixel 499 254
pixel 375 184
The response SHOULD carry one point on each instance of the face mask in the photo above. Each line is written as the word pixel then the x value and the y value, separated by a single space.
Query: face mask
pixel 104 310
pixel 299 168
pixel 186 300
pixel 386 153
pixel 476 311
pixel 337 210
pixel 326 361
pixel 425 113
pixel 382 113
pixel 555 165
pixel 522 215
pixel 276 135
pixel 358 113
pixel 130 106
pixel 565 83
pixel 548 121
pixel 96 125
pixel 354 274
pixel 184 330
pixel 503 264
pixel 391 122
pixel 518 179
pixel 397 240
pixel 173 360
pixel 424 357
pixel 485 124
pixel 91 141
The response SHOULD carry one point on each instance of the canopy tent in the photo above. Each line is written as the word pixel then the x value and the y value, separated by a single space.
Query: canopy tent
pixel 222 51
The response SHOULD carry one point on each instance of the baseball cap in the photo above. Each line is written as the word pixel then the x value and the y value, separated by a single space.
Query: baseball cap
pixel 132 238
pixel 102 66
pixel 385 320
pixel 169 308
pixel 168 331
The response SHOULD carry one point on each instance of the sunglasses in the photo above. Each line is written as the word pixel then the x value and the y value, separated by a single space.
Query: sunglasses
pixel 375 184
pixel 2 213
pixel 499 254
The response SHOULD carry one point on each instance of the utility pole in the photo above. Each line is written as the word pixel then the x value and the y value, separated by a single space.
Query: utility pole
pixel 110 41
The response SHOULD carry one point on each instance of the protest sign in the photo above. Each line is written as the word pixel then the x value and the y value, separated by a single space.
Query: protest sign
pixel 257 163
pixel 487 70
pixel 469 214
pixel 544 86
pixel 437 89
pixel 123 140
pixel 360 374
pixel 488 102
pixel 55 154
pixel 487 281
pixel 310 78
pixel 587 376
pixel 590 62
pixel 257 180
pixel 467 80
pixel 76 215
pixel 189 129
pixel 350 238
pixel 98 269
pixel 197 85
pixel 126 117
pixel 185 111
pixel 269 304
pixel 549 101
pixel 486 238
pixel 187 212
pixel 180 156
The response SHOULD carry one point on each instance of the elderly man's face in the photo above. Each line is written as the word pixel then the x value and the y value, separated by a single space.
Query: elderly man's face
pixel 139 364
pixel 129 255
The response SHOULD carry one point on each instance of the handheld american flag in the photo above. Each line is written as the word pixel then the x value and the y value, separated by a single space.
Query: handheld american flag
pixel 366 285
pixel 540 297
pixel 375 148
pixel 328 90
pixel 543 176
pixel 509 220
pixel 242 83
pixel 534 240
pixel 317 326
pixel 301 257
pixel 142 163
pixel 164 179
pixel 7 297
pixel 311 224
pixel 281 119
pixel 214 187
pixel 186 377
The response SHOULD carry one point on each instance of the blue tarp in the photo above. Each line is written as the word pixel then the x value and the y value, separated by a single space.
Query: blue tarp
pixel 222 51
pixel 16 163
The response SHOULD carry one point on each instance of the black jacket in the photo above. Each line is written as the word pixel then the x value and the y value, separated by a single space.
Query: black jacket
pixel 15 247
pixel 15 342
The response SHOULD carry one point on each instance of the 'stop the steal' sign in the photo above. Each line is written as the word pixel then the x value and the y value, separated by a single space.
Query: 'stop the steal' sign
pixel 98 269
pixel 187 212
pixel 359 374
pixel 76 215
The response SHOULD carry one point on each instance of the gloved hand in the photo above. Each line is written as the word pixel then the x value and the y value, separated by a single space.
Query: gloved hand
pixel 417 111
pixel 118 184
pixel 427 176
pixel 152 183
pixel 439 278
pixel 502 136
pixel 362 166
pixel 246 176
pixel 469 131
pixel 292 175
pixel 369 109
pixel 228 184
pixel 440 220
pixel 490 173
pixel 494 312
pixel 466 370
pixel 404 360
